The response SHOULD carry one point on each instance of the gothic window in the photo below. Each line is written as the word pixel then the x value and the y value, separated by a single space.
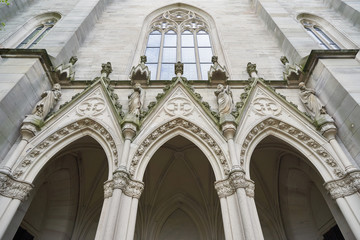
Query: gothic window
pixel 179 35
pixel 37 34
pixel 319 35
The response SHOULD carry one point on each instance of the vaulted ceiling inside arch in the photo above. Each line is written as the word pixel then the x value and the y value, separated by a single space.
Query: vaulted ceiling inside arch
pixel 179 200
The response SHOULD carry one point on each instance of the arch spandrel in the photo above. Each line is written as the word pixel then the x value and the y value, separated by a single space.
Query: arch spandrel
pixel 50 142
pixel 269 114
pixel 147 144
pixel 312 147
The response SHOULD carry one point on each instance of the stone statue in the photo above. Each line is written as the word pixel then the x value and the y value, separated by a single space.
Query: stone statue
pixel 48 102
pixel 311 102
pixel 66 71
pixel 224 99
pixel 136 100
pixel 292 71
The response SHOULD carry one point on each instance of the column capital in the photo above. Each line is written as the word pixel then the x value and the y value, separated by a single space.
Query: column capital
pixel 13 188
pixel 236 179
pixel 345 186
pixel 122 180
pixel 129 128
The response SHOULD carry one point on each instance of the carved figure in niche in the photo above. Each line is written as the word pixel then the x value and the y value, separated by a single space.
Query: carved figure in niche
pixel 224 99
pixel 48 102
pixel 311 102
pixel 136 100
pixel 66 71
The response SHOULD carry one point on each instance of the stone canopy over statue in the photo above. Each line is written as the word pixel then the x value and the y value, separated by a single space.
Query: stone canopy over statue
pixel 224 99
pixel 136 100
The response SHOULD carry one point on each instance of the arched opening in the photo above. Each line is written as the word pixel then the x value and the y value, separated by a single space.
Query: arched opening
pixel 289 195
pixel 179 199
pixel 68 195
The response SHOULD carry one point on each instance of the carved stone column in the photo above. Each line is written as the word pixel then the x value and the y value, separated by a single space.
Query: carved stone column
pixel 120 182
pixel 346 192
pixel 12 192
pixel 329 131
pixel 28 131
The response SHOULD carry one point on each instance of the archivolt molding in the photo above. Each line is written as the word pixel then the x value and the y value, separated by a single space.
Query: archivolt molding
pixel 13 188
pixel 346 186
pixel 122 180
pixel 236 180
pixel 59 135
pixel 176 123
pixel 314 146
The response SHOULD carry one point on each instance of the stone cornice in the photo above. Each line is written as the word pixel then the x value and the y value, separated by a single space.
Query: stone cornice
pixel 41 54
pixel 12 188
pixel 122 180
pixel 236 179
pixel 315 55
pixel 346 186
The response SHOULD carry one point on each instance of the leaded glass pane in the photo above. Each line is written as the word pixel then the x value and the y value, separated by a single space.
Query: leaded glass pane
pixel 205 55
pixel 190 71
pixel 203 40
pixel 30 37
pixel 316 38
pixel 154 40
pixel 152 55
pixel 167 71
pixel 169 55
pixel 40 37
pixel 204 68
pixel 170 40
pixel 187 40
pixel 153 70
pixel 187 33
pixel 327 38
pixel 188 55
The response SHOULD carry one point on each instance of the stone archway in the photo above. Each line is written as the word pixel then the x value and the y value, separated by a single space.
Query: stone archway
pixel 67 199
pixel 179 200
pixel 291 200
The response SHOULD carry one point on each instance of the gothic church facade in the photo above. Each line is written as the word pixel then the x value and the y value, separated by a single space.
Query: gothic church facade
pixel 180 120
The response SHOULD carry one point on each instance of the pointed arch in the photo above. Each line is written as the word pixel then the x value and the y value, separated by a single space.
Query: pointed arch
pixel 153 141
pixel 207 18
pixel 313 149
pixel 50 143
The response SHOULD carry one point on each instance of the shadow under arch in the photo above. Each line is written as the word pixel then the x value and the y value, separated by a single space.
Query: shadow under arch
pixel 209 147
pixel 216 43
pixel 308 144
pixel 67 199
pixel 48 144
pixel 184 203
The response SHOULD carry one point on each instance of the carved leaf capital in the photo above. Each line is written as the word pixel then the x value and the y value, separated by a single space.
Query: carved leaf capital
pixel 12 188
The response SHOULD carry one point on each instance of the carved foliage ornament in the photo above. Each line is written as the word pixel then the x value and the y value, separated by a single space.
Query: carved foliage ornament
pixel 122 180
pixel 12 188
pixel 346 186
pixel 314 146
pixel 236 180
pixel 54 138
pixel 189 127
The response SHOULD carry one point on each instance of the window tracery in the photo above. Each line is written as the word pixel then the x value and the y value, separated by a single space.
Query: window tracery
pixel 319 35
pixel 179 35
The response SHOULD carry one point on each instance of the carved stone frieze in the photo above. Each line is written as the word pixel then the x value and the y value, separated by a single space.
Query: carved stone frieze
pixel 315 147
pixel 12 188
pixel 60 134
pixel 235 180
pixel 187 126
pixel 346 186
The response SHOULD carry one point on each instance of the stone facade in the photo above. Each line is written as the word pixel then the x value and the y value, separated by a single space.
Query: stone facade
pixel 120 155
